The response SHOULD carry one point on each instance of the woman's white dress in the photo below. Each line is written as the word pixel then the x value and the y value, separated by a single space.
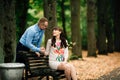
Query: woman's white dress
pixel 56 54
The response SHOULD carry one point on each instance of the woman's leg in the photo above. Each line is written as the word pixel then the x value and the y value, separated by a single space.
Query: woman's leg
pixel 73 72
pixel 66 68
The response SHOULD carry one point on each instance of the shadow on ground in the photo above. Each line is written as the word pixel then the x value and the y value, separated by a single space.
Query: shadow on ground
pixel 113 75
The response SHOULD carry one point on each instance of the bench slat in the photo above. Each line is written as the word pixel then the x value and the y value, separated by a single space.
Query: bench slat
pixel 39 66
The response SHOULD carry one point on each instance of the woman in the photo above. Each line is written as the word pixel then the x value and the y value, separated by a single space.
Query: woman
pixel 57 49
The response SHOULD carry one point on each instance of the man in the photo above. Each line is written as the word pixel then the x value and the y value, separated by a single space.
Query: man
pixel 32 38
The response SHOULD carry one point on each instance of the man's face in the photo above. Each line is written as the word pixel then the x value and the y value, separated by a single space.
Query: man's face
pixel 43 25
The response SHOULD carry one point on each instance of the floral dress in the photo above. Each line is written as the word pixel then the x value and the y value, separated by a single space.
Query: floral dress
pixel 56 54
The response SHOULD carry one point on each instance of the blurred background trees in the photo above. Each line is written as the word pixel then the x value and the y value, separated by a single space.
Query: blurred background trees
pixel 91 25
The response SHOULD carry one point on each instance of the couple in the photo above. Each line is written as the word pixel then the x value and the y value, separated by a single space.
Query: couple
pixel 57 47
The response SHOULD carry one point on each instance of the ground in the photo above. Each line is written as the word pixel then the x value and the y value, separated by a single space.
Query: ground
pixel 103 67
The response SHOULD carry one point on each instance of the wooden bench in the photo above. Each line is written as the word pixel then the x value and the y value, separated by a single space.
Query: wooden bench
pixel 38 67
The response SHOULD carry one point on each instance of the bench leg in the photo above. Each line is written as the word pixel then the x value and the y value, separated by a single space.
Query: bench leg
pixel 47 77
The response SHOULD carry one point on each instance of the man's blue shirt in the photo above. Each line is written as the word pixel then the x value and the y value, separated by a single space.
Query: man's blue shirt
pixel 32 38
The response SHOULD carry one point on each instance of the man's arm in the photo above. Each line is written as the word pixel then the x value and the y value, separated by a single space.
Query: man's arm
pixel 29 38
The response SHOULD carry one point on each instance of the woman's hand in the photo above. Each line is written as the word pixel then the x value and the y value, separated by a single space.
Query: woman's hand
pixel 42 49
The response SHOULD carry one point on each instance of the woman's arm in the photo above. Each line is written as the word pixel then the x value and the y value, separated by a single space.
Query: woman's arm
pixel 66 54
pixel 48 46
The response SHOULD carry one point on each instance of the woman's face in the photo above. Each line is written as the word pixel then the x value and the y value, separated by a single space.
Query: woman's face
pixel 56 32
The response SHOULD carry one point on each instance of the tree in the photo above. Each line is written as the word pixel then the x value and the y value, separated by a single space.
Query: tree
pixel 63 17
pixel 75 27
pixel 105 38
pixel 101 39
pixel 1 31
pixel 21 8
pixel 9 35
pixel 50 14
pixel 116 25
pixel 91 15
pixel 108 22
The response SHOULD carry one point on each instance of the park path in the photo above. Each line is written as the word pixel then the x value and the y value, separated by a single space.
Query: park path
pixel 113 75
pixel 104 67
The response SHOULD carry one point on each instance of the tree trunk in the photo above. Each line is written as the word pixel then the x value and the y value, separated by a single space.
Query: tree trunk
pixel 63 17
pixel 9 31
pixel 21 16
pixel 116 25
pixel 75 28
pixel 101 40
pixel 1 31
pixel 91 14
pixel 109 27
pixel 50 14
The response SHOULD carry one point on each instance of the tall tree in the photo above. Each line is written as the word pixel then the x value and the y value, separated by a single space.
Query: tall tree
pixel 63 17
pixel 9 30
pixel 1 31
pixel 91 16
pixel 21 8
pixel 108 22
pixel 50 14
pixel 101 39
pixel 75 27
pixel 116 25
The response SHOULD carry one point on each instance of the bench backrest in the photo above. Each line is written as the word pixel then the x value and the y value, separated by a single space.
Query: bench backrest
pixel 33 62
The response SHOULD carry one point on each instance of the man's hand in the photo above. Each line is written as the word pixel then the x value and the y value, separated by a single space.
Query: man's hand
pixel 37 53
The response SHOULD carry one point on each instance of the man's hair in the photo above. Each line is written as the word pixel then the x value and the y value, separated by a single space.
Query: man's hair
pixel 42 20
